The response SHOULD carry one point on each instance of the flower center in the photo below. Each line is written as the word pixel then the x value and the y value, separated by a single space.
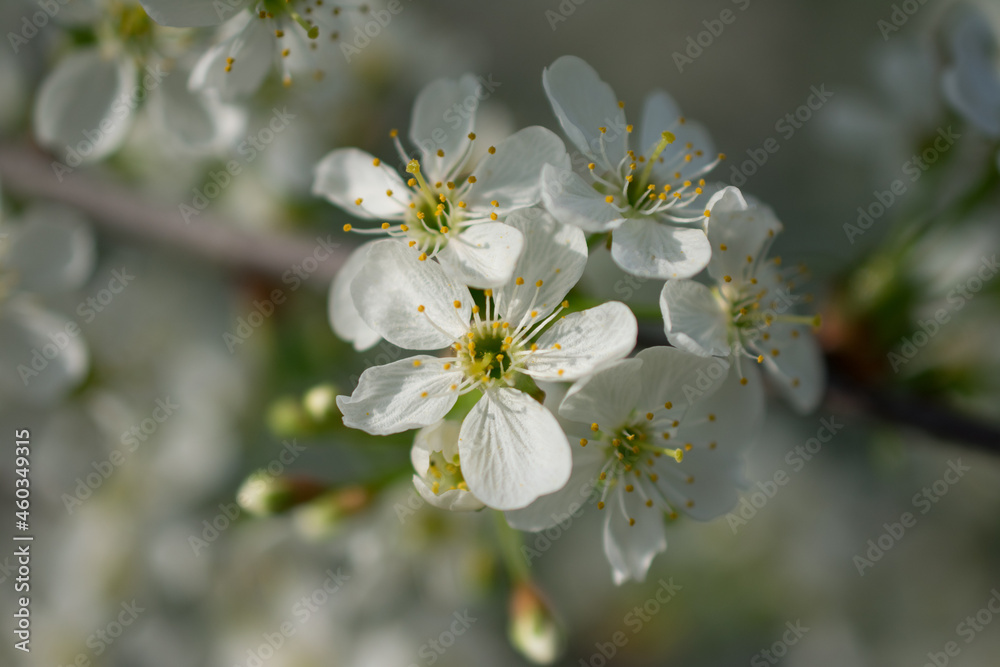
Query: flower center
pixel 627 187
pixel 445 475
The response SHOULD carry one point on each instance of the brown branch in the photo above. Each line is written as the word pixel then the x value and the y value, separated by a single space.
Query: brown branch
pixel 117 209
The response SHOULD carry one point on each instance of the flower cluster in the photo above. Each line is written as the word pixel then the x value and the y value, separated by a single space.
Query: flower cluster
pixel 479 256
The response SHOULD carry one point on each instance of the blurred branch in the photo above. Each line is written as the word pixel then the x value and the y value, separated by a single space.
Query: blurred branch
pixel 26 172
pixel 929 416
pixel 906 411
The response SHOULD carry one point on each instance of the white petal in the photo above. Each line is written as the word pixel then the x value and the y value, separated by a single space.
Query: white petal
pixel 714 486
pixel 554 253
pixel 483 255
pixel 693 318
pixel 583 103
pixel 399 396
pixel 252 48
pixel 83 110
pixel 738 412
pixel 441 437
pixel 512 450
pixel 673 376
pixel 586 339
pixel 52 250
pixel 512 175
pixel 394 283
pixel 649 249
pixel 348 174
pixel 196 123
pixel 188 13
pixel 661 113
pixel 344 316
pixel 972 84
pixel 453 500
pixel 607 397
pixel 798 370
pixel 558 507
pixel 744 230
pixel 443 116
pixel 573 201
pixel 42 359
pixel 630 548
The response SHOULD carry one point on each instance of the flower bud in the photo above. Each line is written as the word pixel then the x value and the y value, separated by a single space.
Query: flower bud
pixel 263 494
pixel 533 628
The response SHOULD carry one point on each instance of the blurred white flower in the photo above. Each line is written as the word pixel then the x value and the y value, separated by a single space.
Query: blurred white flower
pixel 449 208
pixel 436 459
pixel 639 197
pixel 626 415
pixel 972 83
pixel 50 250
pixel 512 449
pixel 88 103
pixel 746 314
pixel 300 35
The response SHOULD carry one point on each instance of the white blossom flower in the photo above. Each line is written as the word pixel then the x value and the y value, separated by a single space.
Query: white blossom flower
pixel 438 468
pixel 512 449
pixel 660 433
pixel 300 34
pixel 448 208
pixel 49 251
pixel 88 104
pixel 746 314
pixel 642 195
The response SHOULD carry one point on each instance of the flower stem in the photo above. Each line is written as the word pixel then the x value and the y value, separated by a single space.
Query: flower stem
pixel 510 548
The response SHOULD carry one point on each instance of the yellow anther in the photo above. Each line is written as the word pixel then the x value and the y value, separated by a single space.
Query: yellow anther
pixel 538 283
pixel 491 150
pixel 347 227
pixel 440 153
pixel 385 225
pixel 668 405
pixel 595 427
pixel 358 201
pixel 610 199
pixel 649 415
pixel 472 136
pixel 416 363
pixel 376 162
pixel 420 309
pixel 422 257
pixel 583 442
pixel 728 279
pixel 457 304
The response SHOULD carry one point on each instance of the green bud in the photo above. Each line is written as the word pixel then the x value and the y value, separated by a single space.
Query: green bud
pixel 533 628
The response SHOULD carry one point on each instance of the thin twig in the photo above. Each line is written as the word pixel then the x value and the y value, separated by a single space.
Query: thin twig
pixel 117 209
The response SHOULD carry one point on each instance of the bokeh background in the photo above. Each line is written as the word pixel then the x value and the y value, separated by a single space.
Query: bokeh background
pixel 210 595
